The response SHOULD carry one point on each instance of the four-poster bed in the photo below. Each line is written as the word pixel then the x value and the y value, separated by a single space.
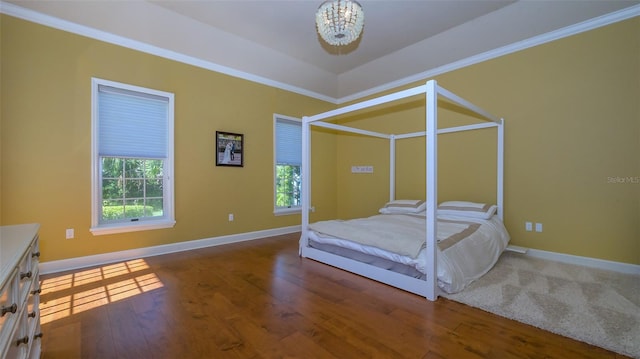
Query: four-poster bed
pixel 313 246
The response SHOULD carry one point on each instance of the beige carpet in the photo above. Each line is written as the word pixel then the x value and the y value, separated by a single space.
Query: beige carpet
pixel 591 305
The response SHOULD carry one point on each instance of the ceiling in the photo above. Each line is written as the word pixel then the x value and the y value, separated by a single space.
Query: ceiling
pixel 275 42
pixel 289 26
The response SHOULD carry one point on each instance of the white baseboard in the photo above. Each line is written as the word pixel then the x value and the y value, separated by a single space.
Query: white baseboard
pixel 100 259
pixel 521 250
pixel 627 268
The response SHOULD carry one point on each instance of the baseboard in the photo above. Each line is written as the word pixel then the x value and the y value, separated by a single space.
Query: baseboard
pixel 106 258
pixel 521 250
pixel 627 268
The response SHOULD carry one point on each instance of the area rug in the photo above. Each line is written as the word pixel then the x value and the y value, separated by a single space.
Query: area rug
pixel 595 306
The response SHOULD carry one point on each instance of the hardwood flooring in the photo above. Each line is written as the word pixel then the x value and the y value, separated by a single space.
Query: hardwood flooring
pixel 258 299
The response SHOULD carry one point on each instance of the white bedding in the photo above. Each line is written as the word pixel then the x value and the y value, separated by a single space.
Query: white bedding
pixel 467 247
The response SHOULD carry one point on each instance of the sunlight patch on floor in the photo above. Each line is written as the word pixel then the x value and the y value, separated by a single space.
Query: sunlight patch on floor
pixel 69 294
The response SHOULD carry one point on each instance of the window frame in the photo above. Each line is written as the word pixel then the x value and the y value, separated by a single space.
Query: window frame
pixel 168 218
pixel 279 211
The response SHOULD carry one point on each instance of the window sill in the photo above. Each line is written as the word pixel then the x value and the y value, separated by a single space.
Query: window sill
pixel 131 227
pixel 287 211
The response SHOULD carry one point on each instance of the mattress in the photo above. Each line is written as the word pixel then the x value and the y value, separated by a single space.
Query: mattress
pixel 467 247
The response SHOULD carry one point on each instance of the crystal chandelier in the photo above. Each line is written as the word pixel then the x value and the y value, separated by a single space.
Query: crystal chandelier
pixel 339 22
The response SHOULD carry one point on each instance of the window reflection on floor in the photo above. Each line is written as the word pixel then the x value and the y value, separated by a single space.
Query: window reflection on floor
pixel 67 294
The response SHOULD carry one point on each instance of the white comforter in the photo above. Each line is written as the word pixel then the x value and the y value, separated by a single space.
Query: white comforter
pixel 467 247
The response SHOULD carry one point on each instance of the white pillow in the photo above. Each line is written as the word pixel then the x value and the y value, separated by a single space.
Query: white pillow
pixel 467 209
pixel 403 206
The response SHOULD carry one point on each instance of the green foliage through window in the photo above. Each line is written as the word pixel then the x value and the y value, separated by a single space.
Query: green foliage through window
pixel 288 186
pixel 132 188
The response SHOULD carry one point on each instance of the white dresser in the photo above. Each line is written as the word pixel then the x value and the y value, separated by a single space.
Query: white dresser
pixel 19 292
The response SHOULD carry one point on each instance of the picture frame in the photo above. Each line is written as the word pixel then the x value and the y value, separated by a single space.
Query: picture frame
pixel 229 149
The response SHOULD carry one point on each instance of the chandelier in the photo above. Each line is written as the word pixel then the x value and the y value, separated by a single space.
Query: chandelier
pixel 339 22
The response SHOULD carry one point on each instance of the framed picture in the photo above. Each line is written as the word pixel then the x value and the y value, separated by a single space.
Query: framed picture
pixel 229 149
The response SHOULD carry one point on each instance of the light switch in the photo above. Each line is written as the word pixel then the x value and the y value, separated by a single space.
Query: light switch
pixel 538 227
pixel 528 226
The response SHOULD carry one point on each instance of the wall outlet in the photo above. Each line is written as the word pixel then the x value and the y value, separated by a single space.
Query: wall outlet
pixel 230 217
pixel 528 226
pixel 70 233
pixel 538 227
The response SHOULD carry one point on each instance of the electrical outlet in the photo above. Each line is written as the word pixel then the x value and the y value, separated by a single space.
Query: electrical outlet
pixel 70 233
pixel 528 226
pixel 538 227
pixel 230 217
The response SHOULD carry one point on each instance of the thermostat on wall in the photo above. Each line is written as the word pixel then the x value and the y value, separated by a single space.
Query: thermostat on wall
pixel 361 169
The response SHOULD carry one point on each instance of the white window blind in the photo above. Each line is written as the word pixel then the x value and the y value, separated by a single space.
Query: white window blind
pixel 132 124
pixel 288 142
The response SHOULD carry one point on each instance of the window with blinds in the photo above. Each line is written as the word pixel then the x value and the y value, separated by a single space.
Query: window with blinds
pixel 288 163
pixel 132 158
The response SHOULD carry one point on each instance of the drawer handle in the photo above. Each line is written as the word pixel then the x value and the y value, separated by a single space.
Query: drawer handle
pixel 25 275
pixel 24 340
pixel 10 309
pixel 37 291
pixel 36 254
pixel 32 314
pixel 39 335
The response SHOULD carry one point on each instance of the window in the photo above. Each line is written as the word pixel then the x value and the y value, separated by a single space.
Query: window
pixel 288 164
pixel 132 158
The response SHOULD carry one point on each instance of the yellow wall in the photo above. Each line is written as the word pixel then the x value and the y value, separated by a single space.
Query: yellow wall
pixel 572 112
pixel 571 108
pixel 1 142
pixel 1 154
pixel 46 142
pixel 465 172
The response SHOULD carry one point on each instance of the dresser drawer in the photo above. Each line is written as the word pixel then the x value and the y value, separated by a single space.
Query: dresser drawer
pixel 16 347
pixel 35 253
pixel 33 306
pixel 25 276
pixel 34 350
pixel 9 308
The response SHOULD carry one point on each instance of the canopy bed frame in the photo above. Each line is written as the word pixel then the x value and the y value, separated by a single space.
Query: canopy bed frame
pixel 427 288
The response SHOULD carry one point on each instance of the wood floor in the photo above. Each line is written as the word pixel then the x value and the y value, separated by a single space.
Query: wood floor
pixel 258 299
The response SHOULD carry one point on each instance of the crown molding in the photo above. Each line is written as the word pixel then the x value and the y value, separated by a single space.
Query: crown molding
pixel 68 26
pixel 575 29
pixel 54 22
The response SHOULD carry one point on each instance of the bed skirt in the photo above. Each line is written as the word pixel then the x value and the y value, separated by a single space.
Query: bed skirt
pixel 369 259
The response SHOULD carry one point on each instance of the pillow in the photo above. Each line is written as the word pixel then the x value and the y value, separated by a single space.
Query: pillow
pixel 400 206
pixel 466 209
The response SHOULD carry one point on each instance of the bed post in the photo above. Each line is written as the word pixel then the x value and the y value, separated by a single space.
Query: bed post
pixel 432 185
pixel 392 167
pixel 306 183
pixel 500 175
